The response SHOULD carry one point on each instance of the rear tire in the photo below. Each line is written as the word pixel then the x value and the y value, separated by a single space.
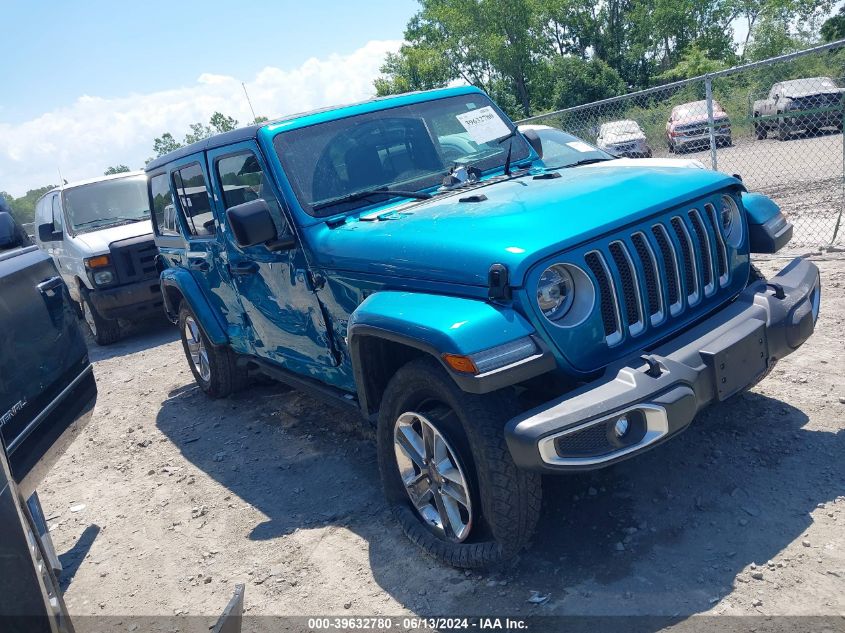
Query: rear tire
pixel 214 368
pixel 503 502
pixel 104 331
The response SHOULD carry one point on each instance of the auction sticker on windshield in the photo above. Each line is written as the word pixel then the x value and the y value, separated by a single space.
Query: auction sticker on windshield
pixel 484 124
pixel 580 146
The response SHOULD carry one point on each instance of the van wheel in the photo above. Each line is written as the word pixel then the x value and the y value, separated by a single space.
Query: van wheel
pixel 214 368
pixel 104 331
pixel 447 472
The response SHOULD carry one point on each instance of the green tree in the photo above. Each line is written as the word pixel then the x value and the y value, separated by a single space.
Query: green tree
pixel 261 119
pixel 568 81
pixel 834 27
pixel 694 62
pixel 165 144
pixel 219 122
pixel 412 68
pixel 23 208
pixel 116 169
pixel 199 132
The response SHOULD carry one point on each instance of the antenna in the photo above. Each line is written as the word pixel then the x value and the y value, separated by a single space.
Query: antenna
pixel 243 85
pixel 62 181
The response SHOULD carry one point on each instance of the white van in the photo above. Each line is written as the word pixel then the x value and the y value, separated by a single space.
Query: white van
pixel 99 234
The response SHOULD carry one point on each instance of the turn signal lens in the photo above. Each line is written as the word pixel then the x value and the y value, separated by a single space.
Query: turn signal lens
pixel 460 363
pixel 97 262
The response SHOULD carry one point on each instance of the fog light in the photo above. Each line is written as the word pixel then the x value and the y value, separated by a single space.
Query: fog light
pixel 621 427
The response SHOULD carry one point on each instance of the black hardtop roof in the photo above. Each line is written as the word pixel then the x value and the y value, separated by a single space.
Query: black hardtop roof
pixel 218 140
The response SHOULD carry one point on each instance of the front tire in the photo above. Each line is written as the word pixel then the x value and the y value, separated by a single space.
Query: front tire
pixel 214 368
pixel 447 472
pixel 104 331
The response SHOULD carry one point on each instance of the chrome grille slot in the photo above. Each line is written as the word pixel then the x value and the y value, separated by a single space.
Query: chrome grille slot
pixel 651 272
pixel 704 248
pixel 630 286
pixel 609 303
pixel 687 254
pixel 721 249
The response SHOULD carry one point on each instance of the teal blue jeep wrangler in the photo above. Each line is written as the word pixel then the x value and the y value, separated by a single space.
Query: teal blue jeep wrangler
pixel 501 304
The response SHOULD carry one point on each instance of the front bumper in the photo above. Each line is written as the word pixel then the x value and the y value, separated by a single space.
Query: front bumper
pixel 647 399
pixel 135 301
pixel 720 134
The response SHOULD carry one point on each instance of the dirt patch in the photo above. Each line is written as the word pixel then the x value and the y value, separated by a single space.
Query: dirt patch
pixel 184 497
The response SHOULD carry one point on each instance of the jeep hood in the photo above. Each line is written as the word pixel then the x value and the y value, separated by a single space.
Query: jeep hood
pixel 97 242
pixel 520 222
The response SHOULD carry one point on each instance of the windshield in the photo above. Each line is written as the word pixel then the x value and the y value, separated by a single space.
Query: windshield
pixel 408 148
pixel 564 150
pixel 620 127
pixel 105 203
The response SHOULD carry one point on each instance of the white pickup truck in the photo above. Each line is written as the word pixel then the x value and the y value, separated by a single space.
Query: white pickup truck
pixel 798 105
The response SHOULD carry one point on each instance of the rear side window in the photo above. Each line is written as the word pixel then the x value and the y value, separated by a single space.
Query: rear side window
pixel 192 191
pixel 164 211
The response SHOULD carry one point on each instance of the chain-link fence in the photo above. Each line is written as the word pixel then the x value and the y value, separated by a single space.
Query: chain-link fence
pixel 776 123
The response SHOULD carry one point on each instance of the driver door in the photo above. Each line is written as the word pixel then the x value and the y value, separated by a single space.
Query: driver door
pixel 285 320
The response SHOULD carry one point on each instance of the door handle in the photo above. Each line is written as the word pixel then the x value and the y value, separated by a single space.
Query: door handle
pixel 245 267
pixel 49 286
pixel 199 264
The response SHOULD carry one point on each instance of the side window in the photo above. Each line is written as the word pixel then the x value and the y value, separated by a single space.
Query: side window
pixel 192 191
pixel 58 222
pixel 164 211
pixel 242 180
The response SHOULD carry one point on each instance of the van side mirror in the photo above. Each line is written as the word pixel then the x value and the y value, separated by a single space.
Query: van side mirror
pixel 47 234
pixel 252 224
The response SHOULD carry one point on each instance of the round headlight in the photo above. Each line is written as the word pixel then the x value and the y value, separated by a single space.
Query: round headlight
pixel 731 221
pixel 555 292
pixel 103 277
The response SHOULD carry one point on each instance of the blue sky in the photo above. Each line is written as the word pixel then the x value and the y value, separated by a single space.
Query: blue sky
pixel 61 50
pixel 90 84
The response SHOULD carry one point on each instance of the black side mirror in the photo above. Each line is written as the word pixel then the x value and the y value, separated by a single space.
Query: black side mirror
pixel 534 140
pixel 252 224
pixel 47 234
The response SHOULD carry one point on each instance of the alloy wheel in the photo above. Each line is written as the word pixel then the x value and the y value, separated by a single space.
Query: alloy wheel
pixel 433 477
pixel 197 350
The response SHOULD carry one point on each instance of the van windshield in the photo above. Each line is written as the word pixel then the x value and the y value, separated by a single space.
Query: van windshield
pixel 107 203
pixel 406 148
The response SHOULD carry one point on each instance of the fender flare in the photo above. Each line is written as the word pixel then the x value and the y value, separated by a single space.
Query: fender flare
pixel 183 282
pixel 438 325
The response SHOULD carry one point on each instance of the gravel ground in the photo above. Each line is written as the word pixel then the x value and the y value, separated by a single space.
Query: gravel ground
pixel 184 497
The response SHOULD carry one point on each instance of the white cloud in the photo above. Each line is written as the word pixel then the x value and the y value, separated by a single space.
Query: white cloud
pixel 94 132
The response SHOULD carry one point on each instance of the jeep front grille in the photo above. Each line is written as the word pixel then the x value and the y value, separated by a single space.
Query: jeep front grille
pixel 651 275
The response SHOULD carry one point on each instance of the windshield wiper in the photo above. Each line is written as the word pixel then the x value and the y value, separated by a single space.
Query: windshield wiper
pixel 360 195
pixel 110 221
pixel 583 161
